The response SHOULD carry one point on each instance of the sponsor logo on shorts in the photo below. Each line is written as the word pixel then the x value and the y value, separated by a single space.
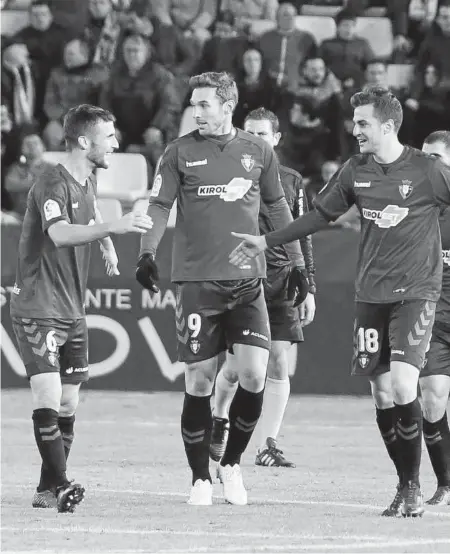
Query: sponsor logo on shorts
pixel 446 257
pixel 391 216
pixel 363 184
pixel 399 291
pixel 363 360
pixel 247 332
pixel 198 162
pixel 194 346
pixel 70 370
pixel 398 352
pixel 52 357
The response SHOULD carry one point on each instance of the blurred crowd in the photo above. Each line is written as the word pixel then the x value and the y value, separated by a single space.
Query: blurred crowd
pixel 135 58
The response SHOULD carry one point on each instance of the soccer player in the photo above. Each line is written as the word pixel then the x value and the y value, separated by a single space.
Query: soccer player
pixel 399 192
pixel 285 325
pixel 218 174
pixel 435 376
pixel 47 304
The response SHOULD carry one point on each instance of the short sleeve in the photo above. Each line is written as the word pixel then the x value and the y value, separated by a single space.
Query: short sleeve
pixel 337 196
pixel 439 175
pixel 167 178
pixel 270 182
pixel 51 197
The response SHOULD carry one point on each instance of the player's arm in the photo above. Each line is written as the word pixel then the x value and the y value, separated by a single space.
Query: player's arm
pixel 334 199
pixel 109 253
pixel 164 191
pixel 300 208
pixel 439 175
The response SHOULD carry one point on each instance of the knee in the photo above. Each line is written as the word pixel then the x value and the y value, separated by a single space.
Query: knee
pixel 230 374
pixel 434 405
pixel 199 380
pixel 69 404
pixel 252 378
pixel 383 399
pixel 278 366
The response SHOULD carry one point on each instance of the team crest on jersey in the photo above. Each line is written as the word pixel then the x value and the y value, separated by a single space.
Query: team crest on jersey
pixel 363 360
pixel 194 346
pixel 405 188
pixel 247 162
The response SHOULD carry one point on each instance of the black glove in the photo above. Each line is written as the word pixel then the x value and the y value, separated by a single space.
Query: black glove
pixel 147 272
pixel 298 285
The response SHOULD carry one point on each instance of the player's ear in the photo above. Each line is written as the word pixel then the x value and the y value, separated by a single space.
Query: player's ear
pixel 83 142
pixel 228 107
pixel 276 138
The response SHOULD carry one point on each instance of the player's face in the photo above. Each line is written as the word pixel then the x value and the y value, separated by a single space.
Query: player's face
pixel 209 112
pixel 438 150
pixel 41 17
pixel 262 128
pixel 376 74
pixel 102 143
pixel 368 129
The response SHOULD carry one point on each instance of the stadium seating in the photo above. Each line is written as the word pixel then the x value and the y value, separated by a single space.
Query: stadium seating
pixel 141 205
pixel 187 123
pixel 320 27
pixel 126 179
pixel 12 21
pixel 378 31
pixel 399 76
pixel 110 208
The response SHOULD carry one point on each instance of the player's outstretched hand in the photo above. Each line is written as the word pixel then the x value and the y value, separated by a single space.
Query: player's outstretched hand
pixel 249 248
pixel 298 285
pixel 132 223
pixel 147 272
pixel 111 260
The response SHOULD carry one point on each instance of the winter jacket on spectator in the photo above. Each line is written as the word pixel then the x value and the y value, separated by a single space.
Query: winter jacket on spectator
pixel 346 58
pixel 246 11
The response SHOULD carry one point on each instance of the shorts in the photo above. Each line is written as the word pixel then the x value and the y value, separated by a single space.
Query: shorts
pixel 54 345
pixel 211 316
pixel 383 333
pixel 284 319
pixel 438 356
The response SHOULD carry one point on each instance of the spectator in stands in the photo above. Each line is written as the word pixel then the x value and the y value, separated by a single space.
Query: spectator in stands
pixel 102 32
pixel 192 17
pixel 314 185
pixel 74 82
pixel 44 40
pixel 224 50
pixel 375 73
pixel 347 54
pixel 247 11
pixel 255 87
pixel 285 47
pixel 320 86
pixel 22 174
pixel 6 126
pixel 143 97
pixel 306 139
pixel 18 84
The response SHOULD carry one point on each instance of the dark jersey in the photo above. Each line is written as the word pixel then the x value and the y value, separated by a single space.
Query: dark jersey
pixel 294 192
pixel 442 319
pixel 51 281
pixel 400 247
pixel 218 187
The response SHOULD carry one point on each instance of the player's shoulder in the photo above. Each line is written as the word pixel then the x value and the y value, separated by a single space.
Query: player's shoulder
pixel 244 137
pixel 52 177
pixel 357 160
pixel 184 141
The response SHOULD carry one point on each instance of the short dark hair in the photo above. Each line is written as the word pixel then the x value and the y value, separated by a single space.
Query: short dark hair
pixel 385 104
pixel 373 61
pixel 224 83
pixel 40 3
pixel 438 136
pixel 79 120
pixel 344 15
pixel 261 114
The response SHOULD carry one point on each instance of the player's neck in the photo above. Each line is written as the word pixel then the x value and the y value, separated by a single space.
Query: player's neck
pixel 78 166
pixel 389 152
pixel 224 130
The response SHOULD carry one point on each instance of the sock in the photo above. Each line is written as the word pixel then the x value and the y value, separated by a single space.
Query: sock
pixel 437 439
pixel 386 424
pixel 196 425
pixel 409 437
pixel 224 393
pixel 50 444
pixel 244 414
pixel 276 396
pixel 66 427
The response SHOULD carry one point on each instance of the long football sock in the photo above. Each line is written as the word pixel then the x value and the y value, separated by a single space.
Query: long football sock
pixel 409 436
pixel 386 421
pixel 196 425
pixel 50 444
pixel 65 425
pixel 224 394
pixel 437 439
pixel 276 396
pixel 244 414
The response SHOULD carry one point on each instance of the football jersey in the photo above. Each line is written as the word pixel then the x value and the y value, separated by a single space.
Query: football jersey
pixel 218 187
pixel 50 281
pixel 442 319
pixel 400 247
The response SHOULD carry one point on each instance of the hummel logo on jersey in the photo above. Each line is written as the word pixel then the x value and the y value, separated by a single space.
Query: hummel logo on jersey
pixel 446 257
pixel 391 216
pixel 405 188
pixel 199 162
pixel 363 184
